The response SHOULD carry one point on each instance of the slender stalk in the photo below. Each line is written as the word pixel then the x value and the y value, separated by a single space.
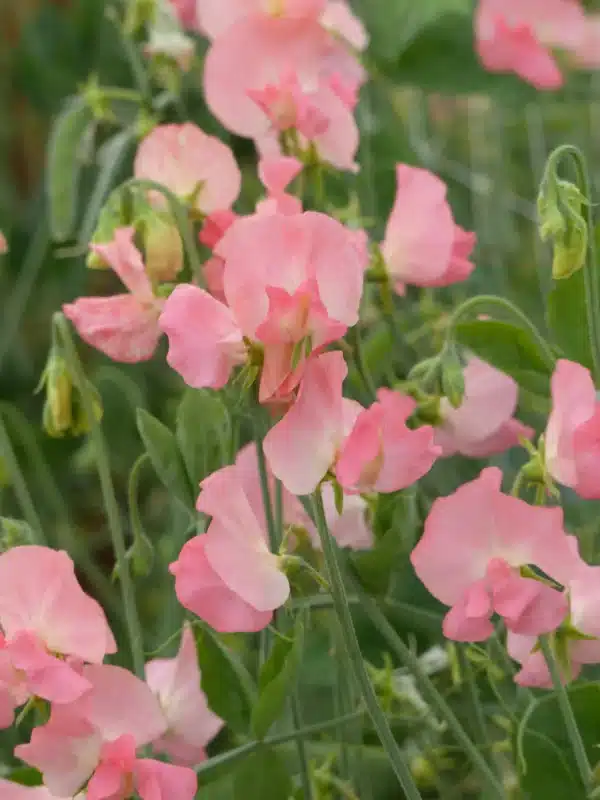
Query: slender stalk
pixel 272 741
pixel 429 691
pixel 487 300
pixel 109 497
pixel 564 703
pixel 479 726
pixel 361 364
pixel 354 654
pixel 274 528
pixel 19 485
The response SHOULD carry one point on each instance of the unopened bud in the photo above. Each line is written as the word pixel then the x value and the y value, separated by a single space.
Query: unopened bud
pixel 162 245
pixel 453 381
pixel 14 533
pixel 139 13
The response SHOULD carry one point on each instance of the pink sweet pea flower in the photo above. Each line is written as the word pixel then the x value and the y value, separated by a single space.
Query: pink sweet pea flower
pixel 275 175
pixel 45 618
pixel 3 244
pixel 228 576
pixel 338 18
pixel 381 454
pixel 247 62
pixel 515 36
pixel 215 16
pixel 191 723
pixel 483 424
pixel 572 440
pixel 124 326
pixel 294 283
pixel 469 556
pixel 15 791
pixel 349 528
pixel 423 246
pixel 587 53
pixel 583 589
pixel 198 168
pixel 205 342
pixel 303 446
pixel 214 228
pixel 96 738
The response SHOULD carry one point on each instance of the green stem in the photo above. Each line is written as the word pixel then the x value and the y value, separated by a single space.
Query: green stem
pixel 591 276
pixel 361 365
pixel 19 484
pixel 479 726
pixel 564 703
pixel 274 527
pixel 429 691
pixel 487 300
pixel 108 494
pixel 272 741
pixel 354 654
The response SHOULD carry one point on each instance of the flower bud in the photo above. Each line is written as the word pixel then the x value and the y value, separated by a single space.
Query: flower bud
pixel 453 381
pixel 139 13
pixel 162 246
pixel 14 533
pixel 560 204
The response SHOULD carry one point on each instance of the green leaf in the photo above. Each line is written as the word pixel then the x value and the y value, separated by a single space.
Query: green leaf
pixel 509 348
pixel 277 679
pixel 26 776
pixel 64 163
pixel 549 770
pixel 374 567
pixel 203 432
pixel 111 158
pixel 230 690
pixel 566 315
pixel 262 775
pixel 161 446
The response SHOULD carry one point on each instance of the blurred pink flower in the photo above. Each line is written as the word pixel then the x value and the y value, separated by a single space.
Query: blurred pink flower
pixel 423 245
pixel 483 424
pixel 123 326
pixel 197 168
pixel 572 439
pixel 475 542
pixel 3 244
pixel 516 36
pixel 191 723
pixel 252 68
pixel 186 12
pixel 275 174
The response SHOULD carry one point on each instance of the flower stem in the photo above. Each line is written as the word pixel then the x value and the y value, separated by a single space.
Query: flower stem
pixel 20 485
pixel 573 733
pixel 487 300
pixel 274 527
pixel 272 741
pixel 108 494
pixel 429 691
pixel 479 727
pixel 354 655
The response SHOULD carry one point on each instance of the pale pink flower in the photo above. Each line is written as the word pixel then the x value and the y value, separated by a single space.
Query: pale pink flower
pixel 587 52
pixel 304 445
pixel 474 543
pixel 350 528
pixel 123 326
pixel 275 174
pixel 483 424
pixel 96 738
pixel 45 618
pixel 191 723
pixel 205 342
pixel 231 564
pixel 381 454
pixel 196 167
pixel 423 245
pixel 253 59
pixel 572 440
pixel 294 283
pixel 338 18
pixel 516 36
pixel 15 791
pixel 166 36
pixel 583 590
pixel 215 16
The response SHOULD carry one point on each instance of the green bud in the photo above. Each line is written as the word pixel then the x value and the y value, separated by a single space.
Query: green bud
pixel 162 246
pixel 141 555
pixel 560 205
pixel 14 533
pixel 139 14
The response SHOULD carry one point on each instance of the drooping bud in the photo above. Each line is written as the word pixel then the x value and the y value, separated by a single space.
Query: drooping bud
pixel 453 380
pixel 14 533
pixel 162 246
